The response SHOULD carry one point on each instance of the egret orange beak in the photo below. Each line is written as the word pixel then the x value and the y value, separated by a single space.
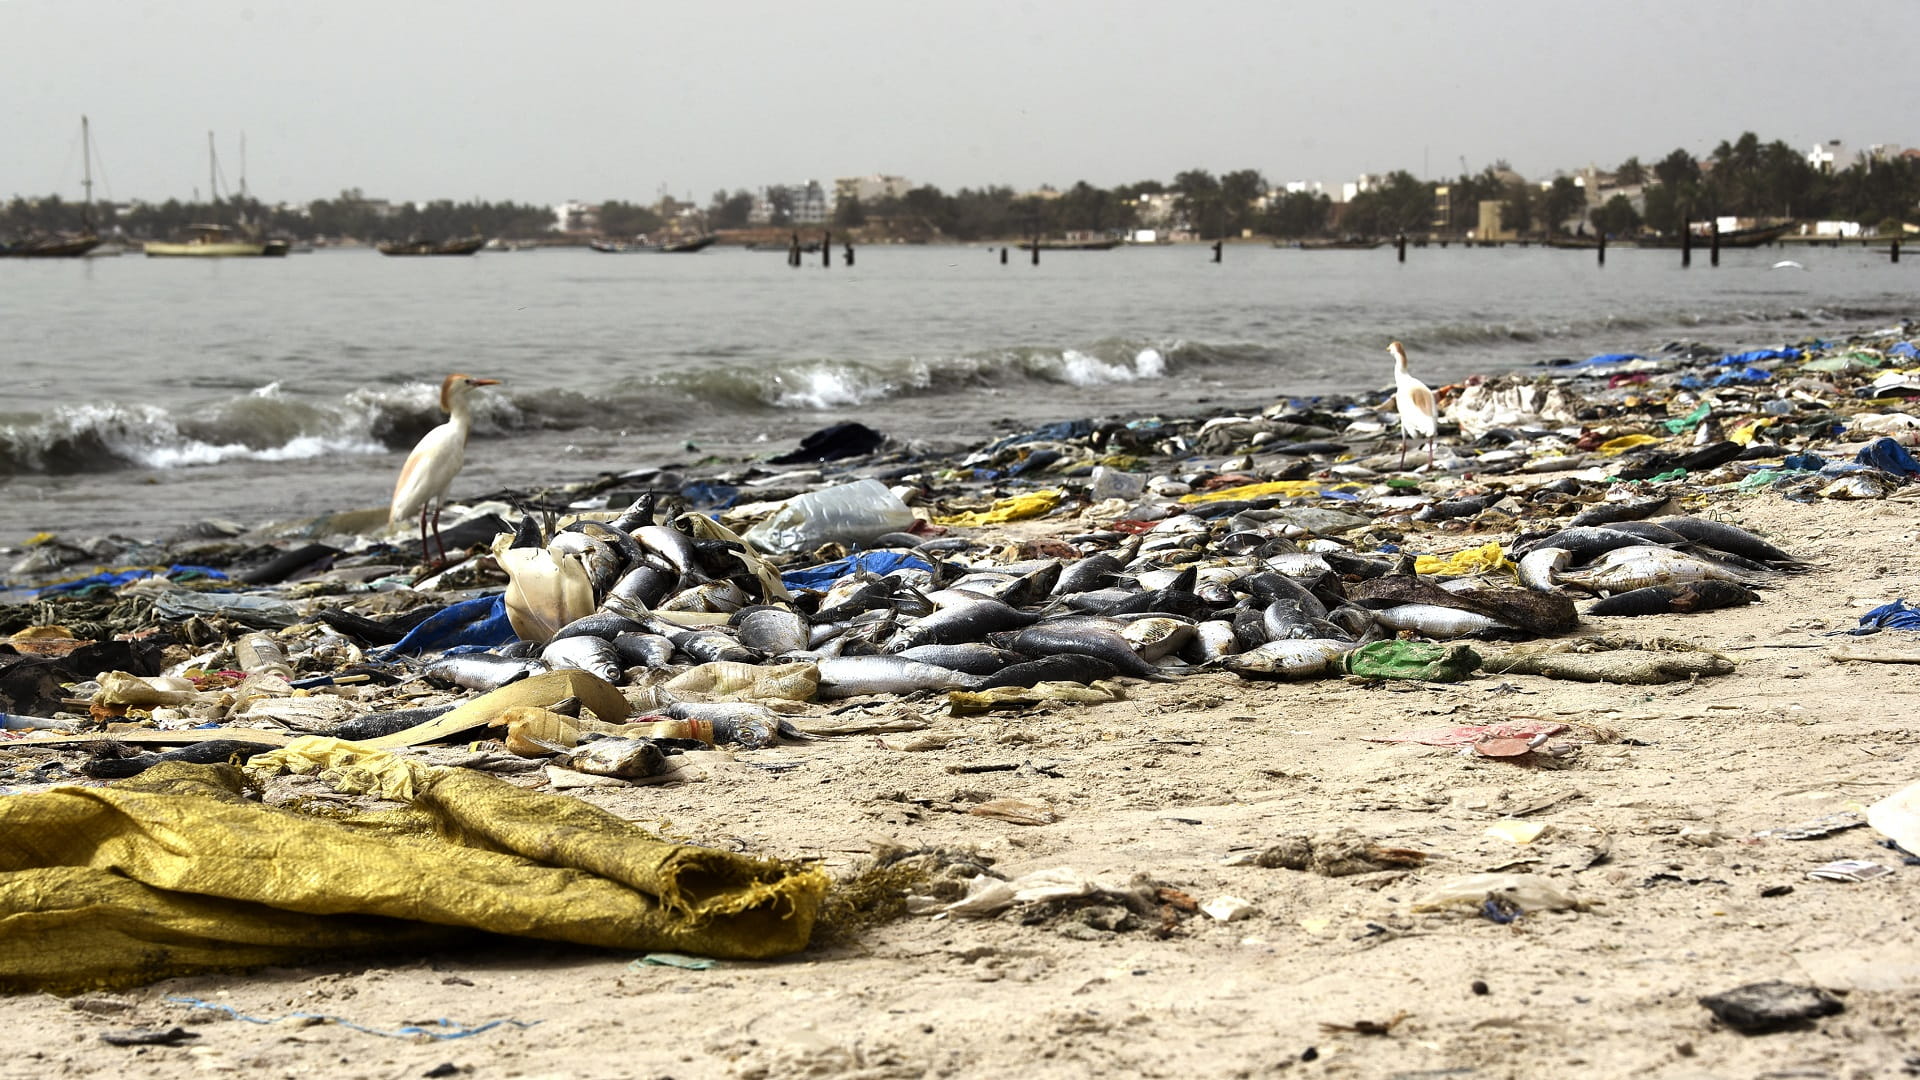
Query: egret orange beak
pixel 486 382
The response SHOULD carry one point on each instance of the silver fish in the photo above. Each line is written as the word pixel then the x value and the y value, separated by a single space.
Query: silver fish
pixel 627 759
pixel 1436 621
pixel 852 676
pixel 479 671
pixel 771 630
pixel 1293 659
pixel 1539 569
pixel 595 656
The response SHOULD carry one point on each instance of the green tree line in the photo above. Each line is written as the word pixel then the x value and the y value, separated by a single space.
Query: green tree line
pixel 1741 177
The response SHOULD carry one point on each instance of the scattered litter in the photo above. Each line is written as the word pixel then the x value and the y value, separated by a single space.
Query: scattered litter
pixel 1850 870
pixel 437 1030
pixel 1758 1008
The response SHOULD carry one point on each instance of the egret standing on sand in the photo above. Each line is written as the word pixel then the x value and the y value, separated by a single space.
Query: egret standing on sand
pixel 1419 416
pixel 434 463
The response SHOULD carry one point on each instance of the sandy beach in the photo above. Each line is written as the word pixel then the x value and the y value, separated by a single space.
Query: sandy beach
pixel 1644 818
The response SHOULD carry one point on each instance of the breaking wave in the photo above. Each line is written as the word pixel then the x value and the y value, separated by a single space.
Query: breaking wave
pixel 267 424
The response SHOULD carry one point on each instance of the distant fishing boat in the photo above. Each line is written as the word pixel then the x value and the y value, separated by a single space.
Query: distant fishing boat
pixel 465 246
pixel 217 242
pixel 1348 243
pixel 1072 245
pixel 213 241
pixel 642 244
pixel 1732 238
pixel 64 246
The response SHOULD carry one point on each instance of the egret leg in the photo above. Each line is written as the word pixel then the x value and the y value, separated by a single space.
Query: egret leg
pixel 1403 450
pixel 1430 441
pixel 423 532
pixel 439 540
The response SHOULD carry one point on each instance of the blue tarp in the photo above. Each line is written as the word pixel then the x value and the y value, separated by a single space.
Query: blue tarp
pixel 1804 462
pixel 1609 358
pixel 1888 456
pixel 1894 616
pixel 481 621
pixel 1757 355
pixel 1905 350
pixel 113 579
pixel 873 562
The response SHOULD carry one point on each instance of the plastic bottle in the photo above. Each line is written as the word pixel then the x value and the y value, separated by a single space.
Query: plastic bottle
pixel 258 654
pixel 855 513
pixel 1114 484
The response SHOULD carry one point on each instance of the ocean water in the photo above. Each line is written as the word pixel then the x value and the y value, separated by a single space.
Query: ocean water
pixel 142 394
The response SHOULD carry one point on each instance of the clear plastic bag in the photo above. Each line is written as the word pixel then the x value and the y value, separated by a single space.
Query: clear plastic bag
pixel 856 513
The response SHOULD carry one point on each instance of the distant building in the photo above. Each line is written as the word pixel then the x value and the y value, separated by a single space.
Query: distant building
pixel 1366 182
pixel 870 189
pixel 1154 210
pixel 573 216
pixel 810 204
pixel 1827 156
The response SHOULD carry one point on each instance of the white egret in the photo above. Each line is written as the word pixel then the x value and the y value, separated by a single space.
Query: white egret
pixel 437 459
pixel 1419 414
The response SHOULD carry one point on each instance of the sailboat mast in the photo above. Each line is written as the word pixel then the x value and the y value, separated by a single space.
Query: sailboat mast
pixel 86 165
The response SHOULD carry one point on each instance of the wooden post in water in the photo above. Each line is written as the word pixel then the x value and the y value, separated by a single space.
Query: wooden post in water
pixel 1713 232
pixel 1895 249
pixel 847 255
pixel 1603 245
pixel 1003 254
pixel 1400 246
pixel 1686 243
pixel 1218 247
pixel 1036 249
pixel 826 249
pixel 793 252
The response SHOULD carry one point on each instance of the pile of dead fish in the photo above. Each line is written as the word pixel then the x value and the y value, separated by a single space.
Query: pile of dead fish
pixel 1273 545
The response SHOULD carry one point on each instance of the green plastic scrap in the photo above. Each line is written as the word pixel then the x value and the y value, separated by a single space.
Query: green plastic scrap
pixel 1668 476
pixel 1763 478
pixel 1412 660
pixel 1691 420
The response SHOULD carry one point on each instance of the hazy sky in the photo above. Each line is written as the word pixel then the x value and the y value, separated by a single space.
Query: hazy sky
pixel 541 102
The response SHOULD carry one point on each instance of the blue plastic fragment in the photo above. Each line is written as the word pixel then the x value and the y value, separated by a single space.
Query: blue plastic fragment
pixel 1904 349
pixel 112 579
pixel 873 562
pixel 1609 358
pixel 1888 456
pixel 481 621
pixel 1756 355
pixel 1808 462
pixel 1744 375
pixel 1894 616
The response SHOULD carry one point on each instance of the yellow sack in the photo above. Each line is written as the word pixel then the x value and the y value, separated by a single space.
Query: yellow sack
pixel 1290 489
pixel 1481 560
pixel 349 768
pixel 1014 508
pixel 1616 447
pixel 176 872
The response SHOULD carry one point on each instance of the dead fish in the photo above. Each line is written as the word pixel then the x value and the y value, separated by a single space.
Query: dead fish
pixel 855 676
pixel 1060 667
pixel 600 624
pixel 1157 637
pixel 771 630
pixel 1212 641
pixel 595 656
pixel 709 596
pixel 1687 596
pixel 708 646
pixel 1623 569
pixel 674 546
pixel 1046 639
pixel 643 650
pixel 1539 569
pixel 1728 538
pixel 105 765
pixel 1607 513
pixel 1092 572
pixel 1283 620
pixel 972 657
pixel 645 583
pixel 1292 659
pixel 1433 620
pixel 1583 544
pixel 1268 586
pixel 627 759
pixel 745 724
pixel 481 671
pixel 602 560
pixel 969 620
